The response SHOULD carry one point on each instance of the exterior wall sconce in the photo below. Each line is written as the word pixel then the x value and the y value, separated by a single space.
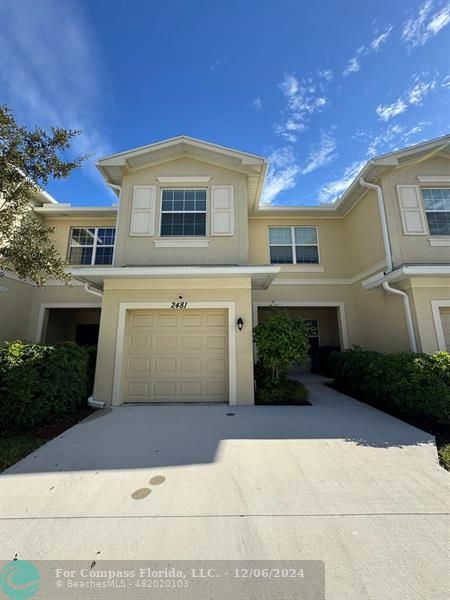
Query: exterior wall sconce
pixel 240 323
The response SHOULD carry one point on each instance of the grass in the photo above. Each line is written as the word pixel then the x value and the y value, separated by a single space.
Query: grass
pixel 444 453
pixel 16 447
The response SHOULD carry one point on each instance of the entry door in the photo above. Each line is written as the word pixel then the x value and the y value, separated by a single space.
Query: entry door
pixel 176 356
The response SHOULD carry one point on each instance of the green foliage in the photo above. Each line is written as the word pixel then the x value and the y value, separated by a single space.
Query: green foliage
pixel 28 160
pixel 284 391
pixel 415 386
pixel 40 381
pixel 281 341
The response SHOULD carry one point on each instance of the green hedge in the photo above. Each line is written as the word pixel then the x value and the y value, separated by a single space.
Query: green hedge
pixel 414 386
pixel 38 382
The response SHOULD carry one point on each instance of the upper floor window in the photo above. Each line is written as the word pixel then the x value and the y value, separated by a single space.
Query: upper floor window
pixel 91 245
pixel 294 245
pixel 183 212
pixel 437 209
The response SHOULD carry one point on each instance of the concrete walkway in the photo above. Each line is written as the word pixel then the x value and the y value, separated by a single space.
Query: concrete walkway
pixel 337 481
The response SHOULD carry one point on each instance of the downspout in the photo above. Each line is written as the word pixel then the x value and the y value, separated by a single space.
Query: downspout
pixel 384 227
pixel 91 402
pixel 408 313
pixel 93 291
pixel 389 264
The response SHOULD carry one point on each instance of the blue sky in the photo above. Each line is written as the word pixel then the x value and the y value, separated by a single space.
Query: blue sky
pixel 317 87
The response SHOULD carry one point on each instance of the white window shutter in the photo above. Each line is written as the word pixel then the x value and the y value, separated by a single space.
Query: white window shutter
pixel 222 210
pixel 413 216
pixel 143 210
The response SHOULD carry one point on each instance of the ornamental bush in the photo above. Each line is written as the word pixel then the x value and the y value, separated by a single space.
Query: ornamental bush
pixel 38 382
pixel 281 341
pixel 414 386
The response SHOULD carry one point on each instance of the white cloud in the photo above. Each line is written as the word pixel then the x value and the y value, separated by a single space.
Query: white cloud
pixel 446 82
pixel 218 63
pixel 386 112
pixel 391 137
pixel 418 92
pixel 322 155
pixel 330 191
pixel 426 24
pixel 50 72
pixel 326 74
pixel 257 104
pixel 303 100
pixel 380 39
pixel 282 174
pixel 354 64
pixel 414 96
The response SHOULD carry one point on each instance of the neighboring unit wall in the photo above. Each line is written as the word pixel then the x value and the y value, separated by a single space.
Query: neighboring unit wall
pixel 15 304
pixel 414 248
pixel 362 235
pixel 141 250
pixel 424 291
pixel 380 320
pixel 63 225
pixel 332 245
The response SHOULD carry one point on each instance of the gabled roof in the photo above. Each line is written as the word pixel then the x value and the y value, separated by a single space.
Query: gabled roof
pixel 371 172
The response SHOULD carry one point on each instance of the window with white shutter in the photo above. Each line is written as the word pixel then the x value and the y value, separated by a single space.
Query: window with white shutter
pixel 413 218
pixel 222 210
pixel 143 210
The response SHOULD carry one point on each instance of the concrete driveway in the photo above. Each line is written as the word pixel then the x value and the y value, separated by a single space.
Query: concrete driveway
pixel 337 481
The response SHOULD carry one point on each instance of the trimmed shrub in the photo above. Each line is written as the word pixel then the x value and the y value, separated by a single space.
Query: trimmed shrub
pixel 413 386
pixel 40 381
pixel 285 391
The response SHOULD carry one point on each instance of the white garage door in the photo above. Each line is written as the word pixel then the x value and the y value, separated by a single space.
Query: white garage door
pixel 445 320
pixel 176 356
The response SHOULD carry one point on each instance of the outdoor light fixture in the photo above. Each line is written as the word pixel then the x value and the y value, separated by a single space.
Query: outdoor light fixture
pixel 240 323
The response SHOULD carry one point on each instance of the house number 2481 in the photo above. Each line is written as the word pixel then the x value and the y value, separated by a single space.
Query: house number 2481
pixel 178 305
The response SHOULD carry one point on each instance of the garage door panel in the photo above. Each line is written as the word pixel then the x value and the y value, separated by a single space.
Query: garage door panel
pixel 216 342
pixel 140 320
pixel 138 366
pixel 165 366
pixel 179 356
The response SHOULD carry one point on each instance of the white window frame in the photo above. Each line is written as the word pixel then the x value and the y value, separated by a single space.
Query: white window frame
pixel 182 212
pixel 94 246
pixel 425 210
pixel 293 244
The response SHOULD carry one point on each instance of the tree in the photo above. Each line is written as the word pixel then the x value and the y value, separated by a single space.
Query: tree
pixel 28 160
pixel 281 341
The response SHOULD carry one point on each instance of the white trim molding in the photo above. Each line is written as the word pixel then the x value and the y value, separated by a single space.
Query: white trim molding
pixel 180 243
pixel 120 340
pixel 405 273
pixel 436 305
pixel 46 306
pixel 342 321
pixel 431 179
pixel 333 281
pixel 186 179
pixel 439 242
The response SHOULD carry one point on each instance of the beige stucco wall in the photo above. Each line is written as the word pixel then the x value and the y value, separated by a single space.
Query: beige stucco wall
pixel 140 250
pixel 410 249
pixel 15 305
pixel 168 290
pixel 362 235
pixel 421 292
pixel 332 246
pixel 62 227
pixel 328 329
